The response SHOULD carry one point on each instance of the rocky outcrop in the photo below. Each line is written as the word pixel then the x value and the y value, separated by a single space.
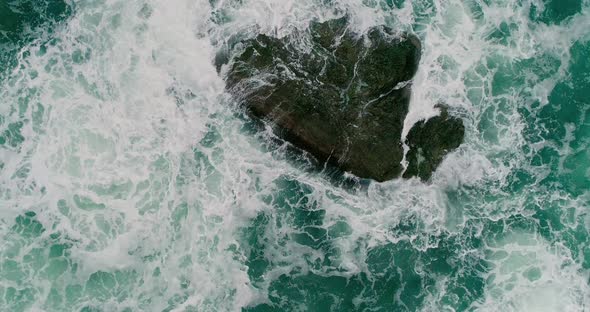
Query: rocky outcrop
pixel 340 95
pixel 429 141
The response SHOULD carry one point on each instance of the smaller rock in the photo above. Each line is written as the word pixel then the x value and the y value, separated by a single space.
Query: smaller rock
pixel 429 141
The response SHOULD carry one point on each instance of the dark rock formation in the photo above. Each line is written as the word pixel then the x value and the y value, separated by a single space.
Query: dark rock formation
pixel 339 95
pixel 429 141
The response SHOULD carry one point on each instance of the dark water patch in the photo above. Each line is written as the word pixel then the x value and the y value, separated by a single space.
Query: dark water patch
pixel 565 123
pixel 31 252
pixel 397 4
pixel 399 276
pixel 23 21
pixel 19 19
pixel 12 136
pixel 561 224
pixel 296 218
pixel 34 251
pixel 555 11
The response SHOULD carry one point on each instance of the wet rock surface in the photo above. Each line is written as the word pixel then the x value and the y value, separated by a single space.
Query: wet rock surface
pixel 429 141
pixel 342 97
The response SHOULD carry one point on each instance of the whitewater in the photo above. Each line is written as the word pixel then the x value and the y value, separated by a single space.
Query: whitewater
pixel 130 180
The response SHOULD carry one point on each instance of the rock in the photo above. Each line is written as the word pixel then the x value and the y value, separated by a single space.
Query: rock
pixel 429 141
pixel 340 95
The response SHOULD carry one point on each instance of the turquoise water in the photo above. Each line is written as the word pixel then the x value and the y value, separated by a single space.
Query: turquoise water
pixel 129 183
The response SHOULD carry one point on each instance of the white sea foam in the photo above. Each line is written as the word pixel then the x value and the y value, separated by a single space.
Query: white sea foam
pixel 130 89
pixel 530 275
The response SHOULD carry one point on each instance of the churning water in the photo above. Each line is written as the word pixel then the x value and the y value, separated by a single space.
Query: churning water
pixel 129 181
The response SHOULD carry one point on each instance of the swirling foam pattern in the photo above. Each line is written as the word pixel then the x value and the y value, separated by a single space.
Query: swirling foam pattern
pixel 129 181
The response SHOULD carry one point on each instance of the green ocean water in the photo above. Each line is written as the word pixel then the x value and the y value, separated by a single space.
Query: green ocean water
pixel 129 181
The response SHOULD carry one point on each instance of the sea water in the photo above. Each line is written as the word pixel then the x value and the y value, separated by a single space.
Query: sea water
pixel 129 180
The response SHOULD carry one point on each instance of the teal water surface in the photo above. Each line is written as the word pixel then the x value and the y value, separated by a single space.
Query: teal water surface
pixel 128 182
